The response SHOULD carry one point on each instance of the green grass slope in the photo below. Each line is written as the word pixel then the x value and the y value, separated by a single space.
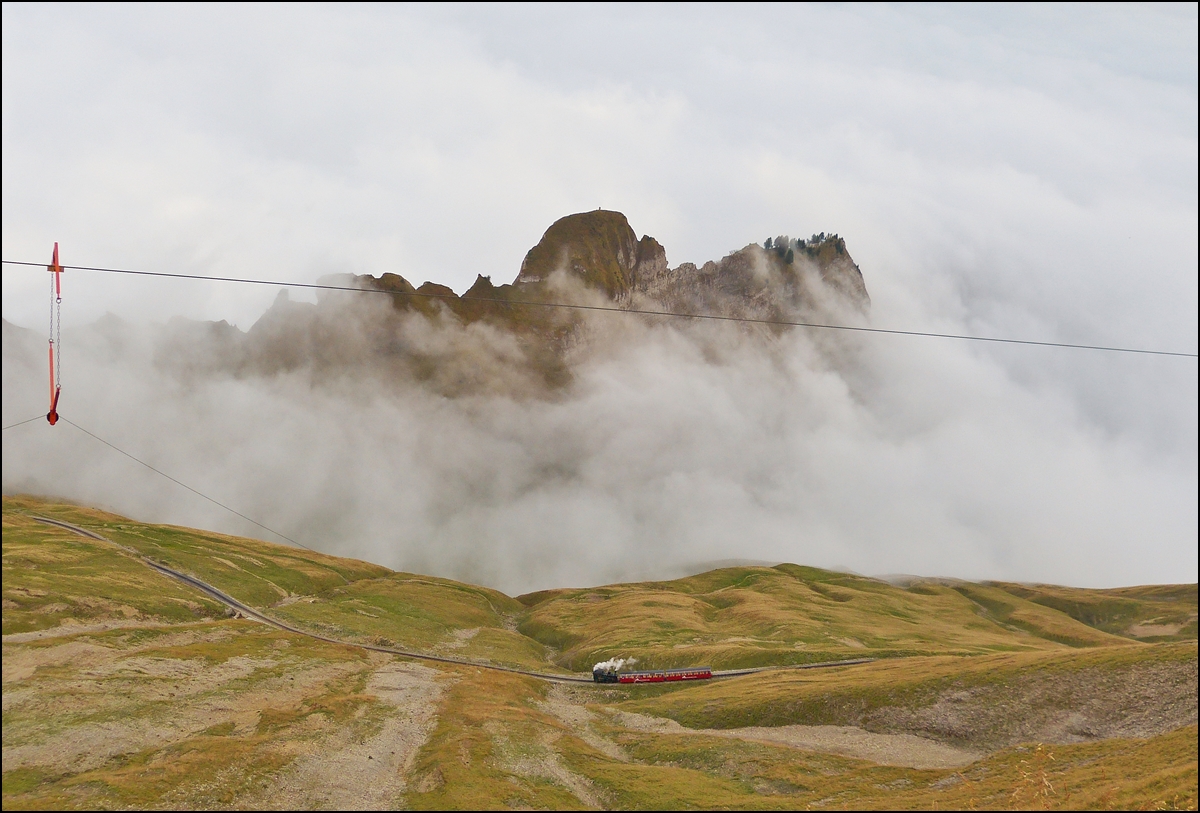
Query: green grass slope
pixel 343 598
pixel 1160 612
pixel 755 616
pixel 425 614
pixel 726 618
pixel 984 701
pixel 124 688
pixel 53 577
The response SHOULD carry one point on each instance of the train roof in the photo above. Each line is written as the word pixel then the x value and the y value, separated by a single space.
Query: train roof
pixel 667 671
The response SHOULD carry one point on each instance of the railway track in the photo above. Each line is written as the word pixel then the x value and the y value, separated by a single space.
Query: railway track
pixel 257 615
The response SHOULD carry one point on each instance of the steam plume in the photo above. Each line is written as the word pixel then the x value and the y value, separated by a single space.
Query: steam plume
pixel 613 664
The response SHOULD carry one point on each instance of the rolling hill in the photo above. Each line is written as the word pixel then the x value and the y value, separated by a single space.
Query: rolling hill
pixel 124 686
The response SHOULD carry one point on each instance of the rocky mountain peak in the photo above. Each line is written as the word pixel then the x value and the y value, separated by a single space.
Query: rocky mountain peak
pixel 599 248
pixel 502 339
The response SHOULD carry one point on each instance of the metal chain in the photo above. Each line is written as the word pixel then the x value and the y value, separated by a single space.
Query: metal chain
pixel 52 308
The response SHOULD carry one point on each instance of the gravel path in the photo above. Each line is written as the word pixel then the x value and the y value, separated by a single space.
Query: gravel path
pixel 339 772
pixel 900 750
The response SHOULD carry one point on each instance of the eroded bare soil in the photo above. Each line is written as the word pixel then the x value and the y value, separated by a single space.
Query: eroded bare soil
pixel 339 771
pixel 94 702
pixel 904 750
pixel 1143 700
pixel 77 703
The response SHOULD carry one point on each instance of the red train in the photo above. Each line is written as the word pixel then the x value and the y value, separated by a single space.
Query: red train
pixel 655 676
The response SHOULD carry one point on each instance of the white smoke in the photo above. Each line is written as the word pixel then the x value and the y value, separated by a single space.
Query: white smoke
pixel 614 664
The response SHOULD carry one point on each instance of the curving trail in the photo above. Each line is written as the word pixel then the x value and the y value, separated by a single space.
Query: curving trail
pixel 258 615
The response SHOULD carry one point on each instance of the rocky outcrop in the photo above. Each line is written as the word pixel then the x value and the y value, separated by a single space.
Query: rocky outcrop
pixel 789 278
pixel 784 277
pixel 597 248
pixel 503 339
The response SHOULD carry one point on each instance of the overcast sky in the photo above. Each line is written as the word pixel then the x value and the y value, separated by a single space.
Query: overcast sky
pixel 1021 171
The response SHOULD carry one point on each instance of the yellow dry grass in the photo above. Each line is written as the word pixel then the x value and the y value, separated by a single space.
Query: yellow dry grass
pixel 140 692
pixel 754 616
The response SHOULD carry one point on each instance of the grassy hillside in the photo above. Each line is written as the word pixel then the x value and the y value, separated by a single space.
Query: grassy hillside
pixel 53 578
pixel 755 616
pixel 506 744
pixel 983 701
pixel 1160 612
pixel 342 598
pixel 425 614
pixel 125 688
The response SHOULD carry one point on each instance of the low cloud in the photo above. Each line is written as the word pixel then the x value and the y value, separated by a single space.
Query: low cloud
pixel 1005 171
pixel 674 445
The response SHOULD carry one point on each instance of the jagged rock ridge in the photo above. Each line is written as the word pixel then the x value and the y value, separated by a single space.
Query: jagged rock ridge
pixel 498 339
pixel 601 252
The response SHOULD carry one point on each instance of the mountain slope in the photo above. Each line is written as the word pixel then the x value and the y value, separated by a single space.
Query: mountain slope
pixel 123 688
pixel 751 616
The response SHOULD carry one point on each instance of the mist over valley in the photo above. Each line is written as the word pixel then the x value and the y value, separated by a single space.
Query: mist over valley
pixel 492 440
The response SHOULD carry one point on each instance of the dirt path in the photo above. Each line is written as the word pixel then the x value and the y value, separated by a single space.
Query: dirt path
pixel 540 760
pixel 138 698
pixel 900 750
pixel 1142 699
pixel 70 627
pixel 341 772
pixel 567 704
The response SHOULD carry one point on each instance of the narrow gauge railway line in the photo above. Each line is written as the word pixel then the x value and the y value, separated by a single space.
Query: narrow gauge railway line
pixel 257 615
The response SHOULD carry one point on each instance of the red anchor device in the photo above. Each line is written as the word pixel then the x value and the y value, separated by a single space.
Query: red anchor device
pixel 55 335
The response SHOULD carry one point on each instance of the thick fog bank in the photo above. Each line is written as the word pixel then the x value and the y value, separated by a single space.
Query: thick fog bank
pixel 671 446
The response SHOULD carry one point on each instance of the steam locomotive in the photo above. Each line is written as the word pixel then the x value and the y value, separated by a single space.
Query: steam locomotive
pixel 603 675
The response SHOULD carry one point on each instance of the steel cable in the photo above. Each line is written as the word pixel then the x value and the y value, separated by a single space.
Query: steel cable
pixel 673 314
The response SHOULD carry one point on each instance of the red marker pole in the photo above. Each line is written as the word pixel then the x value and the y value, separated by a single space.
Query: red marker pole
pixel 51 416
pixel 55 327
